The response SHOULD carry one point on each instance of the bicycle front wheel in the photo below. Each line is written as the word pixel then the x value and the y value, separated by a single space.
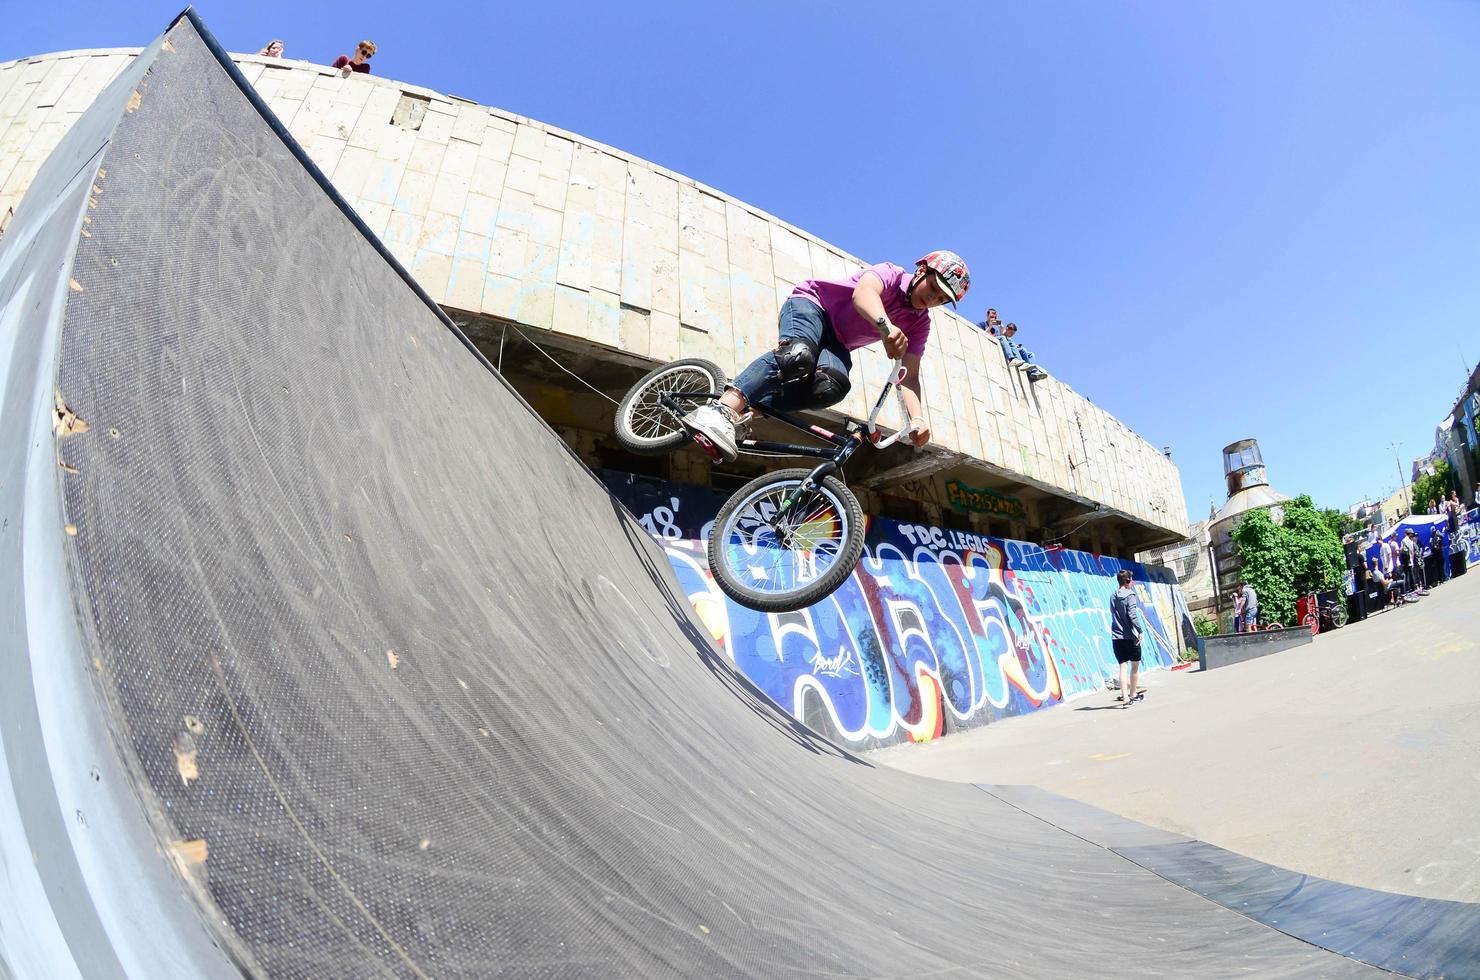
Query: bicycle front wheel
pixel 776 547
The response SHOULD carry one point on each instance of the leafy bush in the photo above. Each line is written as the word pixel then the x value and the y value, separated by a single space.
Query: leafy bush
pixel 1430 488
pixel 1284 562
pixel 1205 625
pixel 1341 522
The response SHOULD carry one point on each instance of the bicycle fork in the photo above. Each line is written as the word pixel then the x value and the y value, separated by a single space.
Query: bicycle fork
pixel 805 490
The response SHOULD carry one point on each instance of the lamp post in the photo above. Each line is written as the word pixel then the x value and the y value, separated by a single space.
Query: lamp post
pixel 1402 483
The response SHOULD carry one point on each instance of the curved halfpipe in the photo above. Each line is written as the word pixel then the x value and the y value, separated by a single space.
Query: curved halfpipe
pixel 325 658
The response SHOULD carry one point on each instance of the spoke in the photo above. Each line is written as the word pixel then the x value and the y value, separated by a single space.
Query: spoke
pixel 751 548
pixel 824 516
pixel 648 418
pixel 652 419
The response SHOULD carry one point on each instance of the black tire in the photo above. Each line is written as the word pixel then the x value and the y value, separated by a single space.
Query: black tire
pixel 643 426
pixel 744 515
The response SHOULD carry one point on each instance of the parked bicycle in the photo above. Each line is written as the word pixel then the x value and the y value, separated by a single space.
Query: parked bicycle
pixel 1329 613
pixel 786 539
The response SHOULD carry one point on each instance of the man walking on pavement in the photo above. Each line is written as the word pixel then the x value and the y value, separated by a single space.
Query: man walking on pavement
pixel 1125 636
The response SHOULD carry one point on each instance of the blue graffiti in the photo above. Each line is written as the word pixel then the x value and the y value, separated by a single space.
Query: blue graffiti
pixel 937 629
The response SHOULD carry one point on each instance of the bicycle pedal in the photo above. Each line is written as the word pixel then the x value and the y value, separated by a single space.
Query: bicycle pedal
pixel 706 444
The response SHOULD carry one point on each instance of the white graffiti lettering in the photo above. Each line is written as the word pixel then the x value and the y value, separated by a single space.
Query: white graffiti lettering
pixel 838 666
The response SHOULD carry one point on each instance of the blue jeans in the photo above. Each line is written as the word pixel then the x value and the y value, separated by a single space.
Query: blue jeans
pixel 761 384
pixel 1015 351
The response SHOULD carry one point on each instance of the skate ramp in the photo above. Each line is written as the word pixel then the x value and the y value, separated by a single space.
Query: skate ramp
pixel 326 658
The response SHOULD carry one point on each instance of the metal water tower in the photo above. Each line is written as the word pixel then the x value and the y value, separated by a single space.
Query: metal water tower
pixel 1243 466
pixel 1248 489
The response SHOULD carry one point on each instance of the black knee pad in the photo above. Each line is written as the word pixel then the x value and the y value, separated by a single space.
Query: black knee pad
pixel 797 360
pixel 829 386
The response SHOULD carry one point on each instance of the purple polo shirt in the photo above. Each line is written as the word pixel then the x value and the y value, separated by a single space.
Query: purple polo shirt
pixel 836 300
pixel 344 59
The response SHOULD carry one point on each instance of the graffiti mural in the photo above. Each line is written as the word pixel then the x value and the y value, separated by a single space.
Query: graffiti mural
pixel 938 629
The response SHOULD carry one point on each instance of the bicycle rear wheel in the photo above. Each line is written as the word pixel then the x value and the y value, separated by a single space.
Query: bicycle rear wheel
pixel 776 564
pixel 644 425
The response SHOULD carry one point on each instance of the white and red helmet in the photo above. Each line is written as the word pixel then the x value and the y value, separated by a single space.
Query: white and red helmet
pixel 950 271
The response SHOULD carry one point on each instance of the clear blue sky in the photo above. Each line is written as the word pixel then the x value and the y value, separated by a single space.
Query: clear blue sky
pixel 1216 220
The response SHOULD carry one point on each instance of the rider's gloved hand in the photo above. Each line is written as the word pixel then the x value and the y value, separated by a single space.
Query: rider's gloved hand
pixel 921 435
pixel 896 343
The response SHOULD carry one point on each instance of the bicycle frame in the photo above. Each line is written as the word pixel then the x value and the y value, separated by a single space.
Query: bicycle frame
pixel 844 446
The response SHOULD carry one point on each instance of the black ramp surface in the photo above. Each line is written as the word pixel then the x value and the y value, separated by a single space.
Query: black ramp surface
pixel 424 691
pixel 82 891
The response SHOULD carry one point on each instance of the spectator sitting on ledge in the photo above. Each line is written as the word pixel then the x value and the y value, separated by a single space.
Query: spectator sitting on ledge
pixel 991 324
pixel 364 51
pixel 274 49
pixel 1017 356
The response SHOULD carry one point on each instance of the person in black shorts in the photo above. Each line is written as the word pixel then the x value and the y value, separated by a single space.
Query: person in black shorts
pixel 1125 636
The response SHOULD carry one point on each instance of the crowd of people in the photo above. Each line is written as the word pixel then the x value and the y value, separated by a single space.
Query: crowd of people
pixel 346 63
pixel 1451 508
pixel 1404 570
pixel 1018 356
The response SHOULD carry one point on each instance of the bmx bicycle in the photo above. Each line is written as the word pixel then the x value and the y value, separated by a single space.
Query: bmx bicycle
pixel 1322 611
pixel 786 539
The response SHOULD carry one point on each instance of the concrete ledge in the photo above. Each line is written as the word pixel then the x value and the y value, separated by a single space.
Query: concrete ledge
pixel 1233 648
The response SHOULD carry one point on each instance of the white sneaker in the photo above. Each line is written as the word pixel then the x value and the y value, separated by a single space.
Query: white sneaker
pixel 713 425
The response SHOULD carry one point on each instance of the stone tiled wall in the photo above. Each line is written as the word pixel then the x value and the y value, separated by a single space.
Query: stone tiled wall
pixel 502 216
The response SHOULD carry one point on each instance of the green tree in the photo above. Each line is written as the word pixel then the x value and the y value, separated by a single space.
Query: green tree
pixel 1432 487
pixel 1285 561
pixel 1320 560
pixel 1268 564
pixel 1340 521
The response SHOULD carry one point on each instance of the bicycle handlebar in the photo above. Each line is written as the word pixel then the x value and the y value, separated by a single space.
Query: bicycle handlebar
pixel 896 377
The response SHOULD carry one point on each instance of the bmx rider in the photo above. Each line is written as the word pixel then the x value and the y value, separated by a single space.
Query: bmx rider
pixel 820 324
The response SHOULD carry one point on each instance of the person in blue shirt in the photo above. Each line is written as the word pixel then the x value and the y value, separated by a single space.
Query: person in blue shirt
pixel 1249 600
pixel 1019 356
pixel 1126 627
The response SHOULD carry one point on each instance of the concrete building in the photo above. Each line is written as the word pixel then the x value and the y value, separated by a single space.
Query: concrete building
pixel 1191 561
pixel 1457 440
pixel 1397 506
pixel 575 266
pixel 1366 513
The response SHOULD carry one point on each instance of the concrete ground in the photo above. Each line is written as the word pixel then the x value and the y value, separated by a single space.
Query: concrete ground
pixel 1355 758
